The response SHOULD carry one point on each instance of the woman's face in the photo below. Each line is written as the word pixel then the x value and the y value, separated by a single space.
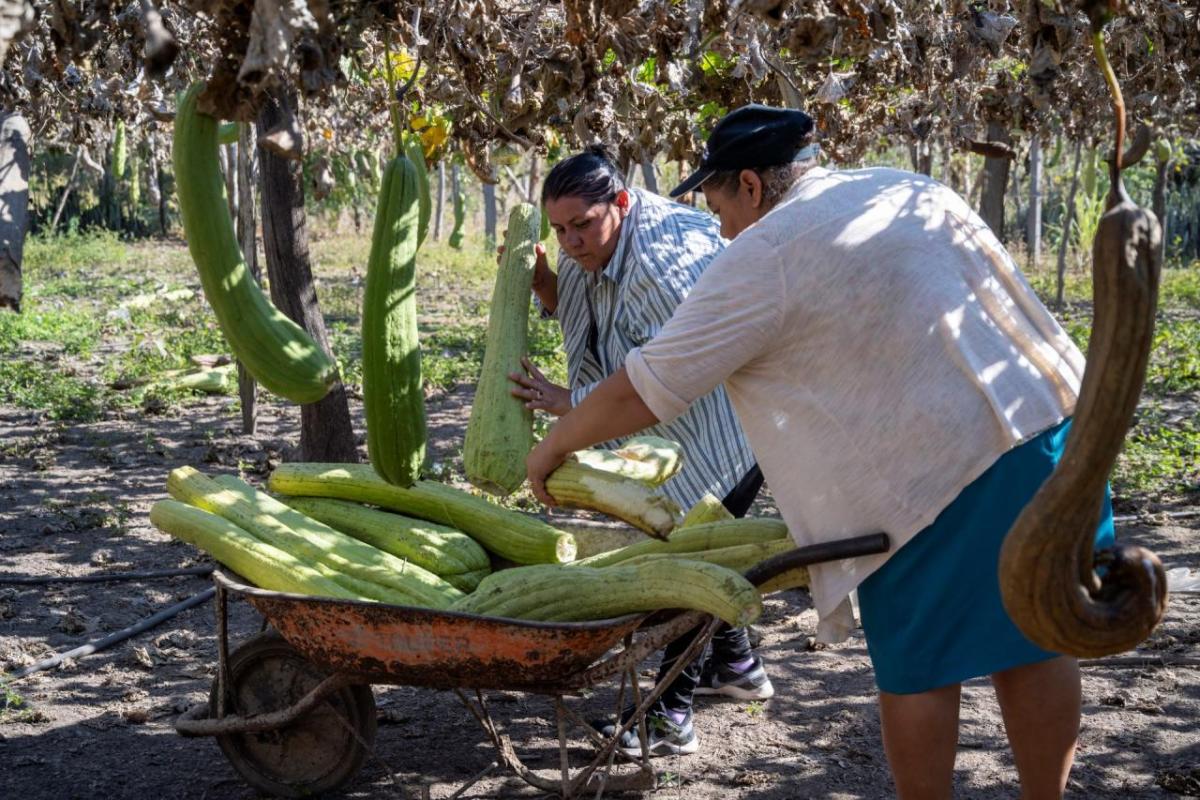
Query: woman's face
pixel 739 206
pixel 588 232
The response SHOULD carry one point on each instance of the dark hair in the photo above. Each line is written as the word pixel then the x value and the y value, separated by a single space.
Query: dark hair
pixel 590 175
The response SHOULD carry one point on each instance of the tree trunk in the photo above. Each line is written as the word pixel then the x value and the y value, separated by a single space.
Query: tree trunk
pixel 690 197
pixel 995 183
pixel 535 177
pixel 1014 191
pixel 648 176
pixel 160 180
pixel 110 205
pixel 247 237
pixel 1033 222
pixel 921 156
pixel 62 201
pixel 441 200
pixel 1158 201
pixel 1068 218
pixel 14 205
pixel 325 430
pixel 489 215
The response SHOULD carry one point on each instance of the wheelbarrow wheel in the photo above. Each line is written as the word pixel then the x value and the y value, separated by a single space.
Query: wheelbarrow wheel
pixel 317 753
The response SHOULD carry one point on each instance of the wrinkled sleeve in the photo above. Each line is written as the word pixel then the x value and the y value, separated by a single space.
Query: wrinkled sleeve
pixel 731 317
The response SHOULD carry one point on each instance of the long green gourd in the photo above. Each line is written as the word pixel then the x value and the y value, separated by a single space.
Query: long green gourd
pixel 706 536
pixel 438 548
pixel 276 351
pixel 265 565
pixel 500 431
pixel 135 182
pixel 393 399
pixel 414 148
pixel 509 534
pixel 366 569
pixel 574 594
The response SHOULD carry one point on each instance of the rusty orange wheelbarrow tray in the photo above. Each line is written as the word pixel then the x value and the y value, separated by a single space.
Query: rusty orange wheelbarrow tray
pixel 293 711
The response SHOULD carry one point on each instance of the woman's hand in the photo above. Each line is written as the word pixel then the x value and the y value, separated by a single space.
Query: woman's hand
pixel 543 277
pixel 539 393
pixel 540 462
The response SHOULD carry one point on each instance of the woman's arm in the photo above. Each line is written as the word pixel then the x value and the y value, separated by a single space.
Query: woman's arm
pixel 611 411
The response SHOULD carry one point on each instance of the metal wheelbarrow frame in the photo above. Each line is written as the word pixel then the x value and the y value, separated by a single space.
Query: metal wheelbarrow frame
pixel 332 650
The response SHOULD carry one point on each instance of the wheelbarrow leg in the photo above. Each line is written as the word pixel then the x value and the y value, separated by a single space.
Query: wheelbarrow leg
pixel 564 763
pixel 222 605
pixel 571 787
pixel 642 705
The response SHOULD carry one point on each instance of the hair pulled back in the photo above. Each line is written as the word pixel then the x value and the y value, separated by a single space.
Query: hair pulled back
pixel 591 175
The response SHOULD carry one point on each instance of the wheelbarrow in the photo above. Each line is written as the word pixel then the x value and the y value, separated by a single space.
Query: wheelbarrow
pixel 293 712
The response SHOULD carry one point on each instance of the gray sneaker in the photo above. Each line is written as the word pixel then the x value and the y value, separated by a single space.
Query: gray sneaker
pixel 667 737
pixel 751 684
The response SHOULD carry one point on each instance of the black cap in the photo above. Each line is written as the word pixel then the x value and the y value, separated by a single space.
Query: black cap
pixel 752 136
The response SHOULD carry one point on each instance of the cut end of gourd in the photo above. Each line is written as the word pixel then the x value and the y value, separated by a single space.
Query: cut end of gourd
pixel 564 549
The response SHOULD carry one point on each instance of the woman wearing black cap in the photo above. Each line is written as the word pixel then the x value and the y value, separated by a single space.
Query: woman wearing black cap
pixel 627 259
pixel 893 371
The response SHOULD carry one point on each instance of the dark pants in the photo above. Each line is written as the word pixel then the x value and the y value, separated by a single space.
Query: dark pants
pixel 729 645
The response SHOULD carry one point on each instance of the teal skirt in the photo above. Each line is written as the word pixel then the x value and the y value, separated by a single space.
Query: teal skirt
pixel 932 614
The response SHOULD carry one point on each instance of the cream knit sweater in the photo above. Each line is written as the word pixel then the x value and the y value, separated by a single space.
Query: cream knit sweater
pixel 881 350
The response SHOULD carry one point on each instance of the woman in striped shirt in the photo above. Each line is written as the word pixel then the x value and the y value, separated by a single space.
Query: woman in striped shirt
pixel 627 258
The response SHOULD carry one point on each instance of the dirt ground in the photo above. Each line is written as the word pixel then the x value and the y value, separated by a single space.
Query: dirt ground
pixel 74 500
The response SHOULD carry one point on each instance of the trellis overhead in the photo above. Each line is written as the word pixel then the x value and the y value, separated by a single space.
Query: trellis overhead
pixel 649 77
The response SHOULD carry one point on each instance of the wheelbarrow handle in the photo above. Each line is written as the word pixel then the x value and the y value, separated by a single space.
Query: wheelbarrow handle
pixel 868 545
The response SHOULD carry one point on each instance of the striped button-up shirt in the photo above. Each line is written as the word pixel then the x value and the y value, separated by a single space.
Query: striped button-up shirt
pixel 663 248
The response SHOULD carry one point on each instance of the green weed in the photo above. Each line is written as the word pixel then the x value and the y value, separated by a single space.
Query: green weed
pixel 1175 357
pixel 1161 455
pixel 16 710
pixel 63 396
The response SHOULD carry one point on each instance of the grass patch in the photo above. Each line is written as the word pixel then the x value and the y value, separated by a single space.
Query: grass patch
pixel 1161 456
pixel 16 710
pixel 98 309
pixel 1179 286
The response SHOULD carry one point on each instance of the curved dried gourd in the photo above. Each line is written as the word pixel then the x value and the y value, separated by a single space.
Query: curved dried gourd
pixel 274 349
pixel 1047 577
